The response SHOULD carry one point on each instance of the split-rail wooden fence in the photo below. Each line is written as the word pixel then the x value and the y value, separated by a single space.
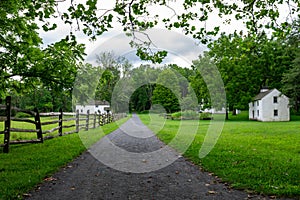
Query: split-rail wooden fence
pixel 80 121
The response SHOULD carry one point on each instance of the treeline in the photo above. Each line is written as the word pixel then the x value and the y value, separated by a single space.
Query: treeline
pixel 44 75
pixel 245 63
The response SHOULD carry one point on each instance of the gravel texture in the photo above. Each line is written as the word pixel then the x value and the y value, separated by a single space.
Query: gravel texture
pixel 122 177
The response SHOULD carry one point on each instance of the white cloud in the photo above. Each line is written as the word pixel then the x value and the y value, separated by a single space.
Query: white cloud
pixel 181 48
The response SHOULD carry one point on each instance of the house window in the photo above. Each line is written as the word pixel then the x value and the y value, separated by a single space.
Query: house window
pixel 253 103
pixel 257 103
pixel 275 100
pixel 81 111
pixel 275 113
pixel 257 113
pixel 96 106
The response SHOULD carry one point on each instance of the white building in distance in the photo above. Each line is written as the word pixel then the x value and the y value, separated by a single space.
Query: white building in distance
pixel 269 105
pixel 93 107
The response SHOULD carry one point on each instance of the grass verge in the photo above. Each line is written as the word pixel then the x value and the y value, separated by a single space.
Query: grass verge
pixel 28 164
pixel 260 157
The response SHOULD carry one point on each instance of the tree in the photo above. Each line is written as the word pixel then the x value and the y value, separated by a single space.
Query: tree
pixel 189 102
pixel 135 16
pixel 144 82
pixel 23 61
pixel 86 82
pixel 207 83
pixel 106 85
pixel 247 63
pixel 19 20
pixel 183 75
pixel 290 79
pixel 114 68
pixel 291 83
pixel 167 91
pixel 232 57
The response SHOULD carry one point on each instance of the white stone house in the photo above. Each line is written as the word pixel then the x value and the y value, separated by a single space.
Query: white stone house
pixel 269 105
pixel 94 106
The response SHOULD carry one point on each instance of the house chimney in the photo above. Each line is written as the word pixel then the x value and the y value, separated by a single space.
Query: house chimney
pixel 264 89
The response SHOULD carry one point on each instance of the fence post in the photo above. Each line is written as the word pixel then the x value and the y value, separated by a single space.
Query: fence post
pixel 60 123
pixel 95 118
pixel 110 118
pixel 77 121
pixel 7 124
pixel 38 125
pixel 113 117
pixel 87 120
pixel 99 116
pixel 101 119
pixel 104 118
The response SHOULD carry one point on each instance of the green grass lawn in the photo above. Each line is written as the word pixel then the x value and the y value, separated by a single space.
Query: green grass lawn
pixel 27 165
pixel 33 135
pixel 263 157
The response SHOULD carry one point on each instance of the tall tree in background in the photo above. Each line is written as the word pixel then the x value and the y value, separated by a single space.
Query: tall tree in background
pixel 207 83
pixel 247 63
pixel 183 76
pixel 86 83
pixel 144 78
pixel 232 57
pixel 113 68
pixel 290 80
pixel 197 82
pixel 291 83
pixel 167 91
pixel 139 100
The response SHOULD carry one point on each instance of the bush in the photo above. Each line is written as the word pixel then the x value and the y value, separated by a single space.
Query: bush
pixel 144 112
pixel 205 116
pixel 188 114
pixel 176 115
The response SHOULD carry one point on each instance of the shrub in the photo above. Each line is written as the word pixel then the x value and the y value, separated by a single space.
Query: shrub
pixel 188 114
pixel 205 116
pixel 176 115
pixel 144 112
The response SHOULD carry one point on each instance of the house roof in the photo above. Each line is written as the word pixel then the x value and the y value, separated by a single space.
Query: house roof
pixel 262 95
pixel 95 102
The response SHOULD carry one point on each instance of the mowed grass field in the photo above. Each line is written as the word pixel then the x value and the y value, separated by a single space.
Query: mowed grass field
pixel 27 165
pixel 33 135
pixel 260 157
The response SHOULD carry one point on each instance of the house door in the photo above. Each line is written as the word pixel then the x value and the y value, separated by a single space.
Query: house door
pixel 252 114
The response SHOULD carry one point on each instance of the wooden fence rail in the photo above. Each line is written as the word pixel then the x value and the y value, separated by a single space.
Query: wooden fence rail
pixel 64 121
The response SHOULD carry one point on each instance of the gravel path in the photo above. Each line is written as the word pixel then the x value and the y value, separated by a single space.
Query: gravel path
pixel 133 171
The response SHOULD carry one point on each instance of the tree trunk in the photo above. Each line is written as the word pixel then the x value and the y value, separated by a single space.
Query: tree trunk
pixel 227 117
pixel 233 111
pixel 297 105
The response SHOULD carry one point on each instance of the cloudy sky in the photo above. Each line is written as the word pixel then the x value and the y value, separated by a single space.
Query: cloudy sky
pixel 182 49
